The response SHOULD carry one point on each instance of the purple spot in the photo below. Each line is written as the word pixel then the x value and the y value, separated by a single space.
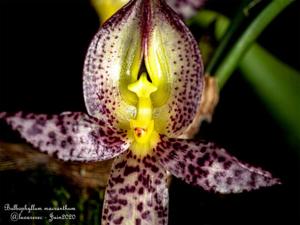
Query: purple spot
pixel 146 214
pixel 63 144
pixel 123 201
pixel 203 159
pixel 119 220
pixel 137 221
pixel 118 179
pixel 191 169
pixel 120 165
pixel 131 169
pixel 51 134
pixel 238 173
pixel 229 180
pixel 227 164
pixel 115 208
pixel 34 130
pixel 141 191
pixel 140 207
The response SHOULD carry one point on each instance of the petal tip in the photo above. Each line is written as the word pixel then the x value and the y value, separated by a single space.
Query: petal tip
pixel 276 181
pixel 206 165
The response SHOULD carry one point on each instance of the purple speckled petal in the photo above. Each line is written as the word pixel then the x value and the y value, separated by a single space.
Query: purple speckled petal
pixel 186 8
pixel 69 136
pixel 152 31
pixel 112 63
pixel 137 192
pixel 206 165
pixel 174 64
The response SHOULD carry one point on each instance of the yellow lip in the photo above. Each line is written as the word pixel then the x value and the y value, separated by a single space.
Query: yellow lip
pixel 142 127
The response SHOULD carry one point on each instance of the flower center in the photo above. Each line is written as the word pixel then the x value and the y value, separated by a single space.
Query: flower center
pixel 142 127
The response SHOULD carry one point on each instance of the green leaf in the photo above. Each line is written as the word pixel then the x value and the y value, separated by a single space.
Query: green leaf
pixel 278 85
pixel 229 64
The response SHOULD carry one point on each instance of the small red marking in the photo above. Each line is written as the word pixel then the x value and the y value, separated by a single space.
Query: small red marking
pixel 139 131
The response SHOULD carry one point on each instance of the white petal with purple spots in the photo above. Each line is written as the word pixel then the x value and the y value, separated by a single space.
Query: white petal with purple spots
pixel 69 136
pixel 175 66
pixel 137 192
pixel 111 64
pixel 204 164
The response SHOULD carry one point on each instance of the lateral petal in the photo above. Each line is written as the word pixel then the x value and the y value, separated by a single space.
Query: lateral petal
pixel 174 64
pixel 210 167
pixel 112 63
pixel 137 192
pixel 69 136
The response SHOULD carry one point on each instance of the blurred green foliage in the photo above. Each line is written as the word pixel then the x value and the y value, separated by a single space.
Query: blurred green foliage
pixel 277 84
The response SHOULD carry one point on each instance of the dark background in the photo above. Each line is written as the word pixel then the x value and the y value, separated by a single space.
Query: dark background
pixel 42 49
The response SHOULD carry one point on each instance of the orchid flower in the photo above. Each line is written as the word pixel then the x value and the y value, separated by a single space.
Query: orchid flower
pixel 142 81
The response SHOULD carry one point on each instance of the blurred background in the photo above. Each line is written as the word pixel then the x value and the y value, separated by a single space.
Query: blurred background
pixel 42 49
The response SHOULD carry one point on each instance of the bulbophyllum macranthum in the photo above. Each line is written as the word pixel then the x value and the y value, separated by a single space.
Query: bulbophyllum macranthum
pixel 142 81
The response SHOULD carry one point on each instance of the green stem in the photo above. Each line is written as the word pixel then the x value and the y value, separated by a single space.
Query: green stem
pixel 252 32
pixel 234 25
pixel 276 83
